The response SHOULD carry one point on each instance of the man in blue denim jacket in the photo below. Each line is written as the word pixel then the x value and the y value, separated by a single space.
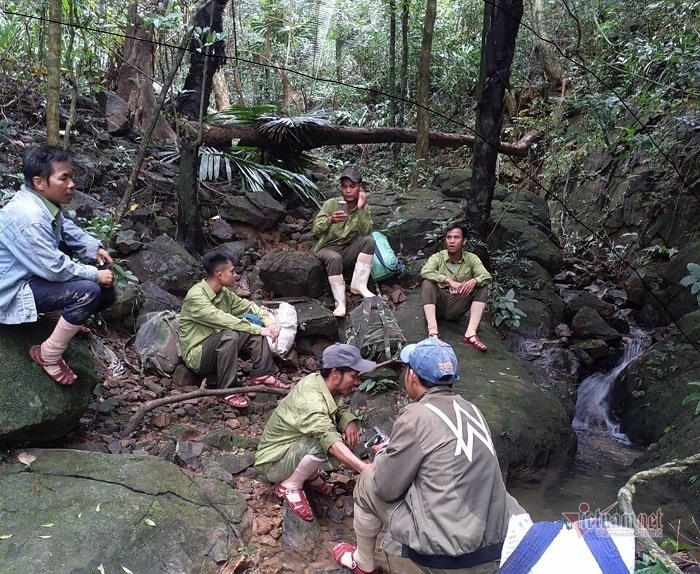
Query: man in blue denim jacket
pixel 37 271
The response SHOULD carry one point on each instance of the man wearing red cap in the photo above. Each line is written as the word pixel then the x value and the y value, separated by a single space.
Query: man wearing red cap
pixel 344 231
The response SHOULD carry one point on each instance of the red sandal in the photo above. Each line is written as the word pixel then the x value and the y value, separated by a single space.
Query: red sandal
pixel 301 507
pixel 270 381
pixel 320 486
pixel 64 377
pixel 475 341
pixel 340 551
pixel 236 401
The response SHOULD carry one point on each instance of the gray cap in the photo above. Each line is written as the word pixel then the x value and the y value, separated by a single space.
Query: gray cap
pixel 352 174
pixel 341 355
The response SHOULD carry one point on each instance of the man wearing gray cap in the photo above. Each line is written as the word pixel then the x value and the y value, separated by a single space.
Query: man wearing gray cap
pixel 343 228
pixel 436 484
pixel 311 426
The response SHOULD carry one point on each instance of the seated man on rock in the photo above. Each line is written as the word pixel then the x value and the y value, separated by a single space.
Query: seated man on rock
pixel 344 231
pixel 38 274
pixel 213 330
pixel 311 426
pixel 436 485
pixel 455 281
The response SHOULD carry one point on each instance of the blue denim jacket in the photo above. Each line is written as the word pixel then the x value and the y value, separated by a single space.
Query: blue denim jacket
pixel 29 248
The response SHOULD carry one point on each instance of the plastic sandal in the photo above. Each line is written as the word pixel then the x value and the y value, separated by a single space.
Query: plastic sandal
pixel 236 401
pixel 475 341
pixel 301 507
pixel 320 486
pixel 341 550
pixel 65 376
pixel 270 381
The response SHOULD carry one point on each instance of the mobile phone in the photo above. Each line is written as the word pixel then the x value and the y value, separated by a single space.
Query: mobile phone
pixel 343 206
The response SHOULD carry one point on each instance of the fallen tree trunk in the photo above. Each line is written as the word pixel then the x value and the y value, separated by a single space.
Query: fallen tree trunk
pixel 315 136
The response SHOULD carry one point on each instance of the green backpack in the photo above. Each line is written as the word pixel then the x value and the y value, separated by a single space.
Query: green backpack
pixel 385 264
pixel 157 342
pixel 373 329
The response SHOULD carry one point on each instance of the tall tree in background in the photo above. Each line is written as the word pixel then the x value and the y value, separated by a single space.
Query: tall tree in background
pixel 501 24
pixel 198 85
pixel 53 73
pixel 135 84
pixel 423 92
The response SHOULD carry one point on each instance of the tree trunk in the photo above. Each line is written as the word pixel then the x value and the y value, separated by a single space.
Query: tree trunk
pixel 405 11
pixel 209 18
pixel 423 96
pixel 135 84
pixel 53 73
pixel 222 96
pixel 392 63
pixel 501 23
pixel 189 216
pixel 314 136
pixel 544 50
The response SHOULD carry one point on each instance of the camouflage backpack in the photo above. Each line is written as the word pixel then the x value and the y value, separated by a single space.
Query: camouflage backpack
pixel 373 329
pixel 157 342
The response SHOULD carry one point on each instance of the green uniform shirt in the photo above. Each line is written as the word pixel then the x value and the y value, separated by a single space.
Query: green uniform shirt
pixel 439 267
pixel 308 410
pixel 205 313
pixel 358 223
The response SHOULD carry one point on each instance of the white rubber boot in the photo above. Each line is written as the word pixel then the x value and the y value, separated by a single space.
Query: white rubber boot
pixel 338 289
pixel 360 277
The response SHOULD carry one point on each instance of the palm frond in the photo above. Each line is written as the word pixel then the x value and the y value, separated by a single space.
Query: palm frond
pixel 242 116
pixel 294 132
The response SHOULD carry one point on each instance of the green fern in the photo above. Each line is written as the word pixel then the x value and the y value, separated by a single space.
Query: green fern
pixel 693 397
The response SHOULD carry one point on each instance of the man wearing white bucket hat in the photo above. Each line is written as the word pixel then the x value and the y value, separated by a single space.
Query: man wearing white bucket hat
pixel 436 485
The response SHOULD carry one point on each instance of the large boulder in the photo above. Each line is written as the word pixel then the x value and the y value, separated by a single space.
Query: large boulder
pixel 33 408
pixel 521 220
pixel 167 264
pixel 75 511
pixel 418 222
pixel 529 424
pixel 258 209
pixel 292 274
pixel 588 324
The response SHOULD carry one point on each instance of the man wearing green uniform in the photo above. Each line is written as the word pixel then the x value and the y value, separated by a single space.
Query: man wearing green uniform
pixel 213 330
pixel 344 231
pixel 454 282
pixel 310 426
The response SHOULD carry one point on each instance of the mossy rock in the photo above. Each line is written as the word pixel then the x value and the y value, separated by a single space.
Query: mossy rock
pixel 33 408
pixel 75 511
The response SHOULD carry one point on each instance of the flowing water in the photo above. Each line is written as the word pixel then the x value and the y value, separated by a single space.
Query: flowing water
pixel 602 465
pixel 593 397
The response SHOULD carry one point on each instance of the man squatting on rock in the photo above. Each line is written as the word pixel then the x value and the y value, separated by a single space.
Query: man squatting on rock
pixel 436 485
pixel 311 426
pixel 343 227
pixel 37 270
pixel 214 329
pixel 455 281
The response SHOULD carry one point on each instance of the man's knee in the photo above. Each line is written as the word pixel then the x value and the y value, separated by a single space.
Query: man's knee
pixel 428 293
pixel 366 244
pixel 332 260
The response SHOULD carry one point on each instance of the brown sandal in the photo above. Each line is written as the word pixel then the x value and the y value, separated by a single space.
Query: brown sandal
pixel 64 377
pixel 475 341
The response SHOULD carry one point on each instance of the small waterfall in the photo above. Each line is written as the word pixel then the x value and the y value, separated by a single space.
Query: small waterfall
pixel 593 397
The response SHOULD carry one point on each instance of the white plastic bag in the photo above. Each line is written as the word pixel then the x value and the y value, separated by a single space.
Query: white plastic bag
pixel 286 318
